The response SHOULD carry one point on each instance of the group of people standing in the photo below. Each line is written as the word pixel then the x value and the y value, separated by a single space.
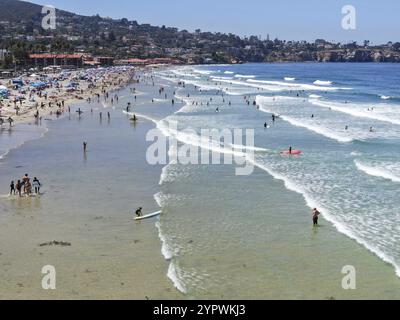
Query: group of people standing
pixel 25 186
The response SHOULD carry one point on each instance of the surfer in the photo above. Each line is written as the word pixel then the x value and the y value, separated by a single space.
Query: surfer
pixel 139 212
pixel 265 125
pixel 134 119
pixel 315 215
pixel 290 150
pixel 273 118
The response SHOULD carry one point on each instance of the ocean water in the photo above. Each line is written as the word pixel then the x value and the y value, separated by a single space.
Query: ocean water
pixel 87 200
pixel 230 236
pixel 221 235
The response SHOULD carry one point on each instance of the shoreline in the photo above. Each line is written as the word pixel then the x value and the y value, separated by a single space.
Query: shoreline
pixel 56 92
pixel 150 251
pixel 147 231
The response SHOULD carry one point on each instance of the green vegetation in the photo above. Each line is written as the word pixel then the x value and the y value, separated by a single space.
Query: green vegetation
pixel 21 33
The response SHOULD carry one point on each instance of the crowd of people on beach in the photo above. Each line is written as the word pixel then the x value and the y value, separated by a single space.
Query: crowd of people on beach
pixel 25 187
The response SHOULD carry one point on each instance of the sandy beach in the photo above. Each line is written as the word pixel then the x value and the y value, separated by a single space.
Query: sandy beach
pixel 48 93
pixel 84 229
pixel 203 246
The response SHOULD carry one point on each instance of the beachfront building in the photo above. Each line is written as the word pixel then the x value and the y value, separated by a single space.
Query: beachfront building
pixel 43 60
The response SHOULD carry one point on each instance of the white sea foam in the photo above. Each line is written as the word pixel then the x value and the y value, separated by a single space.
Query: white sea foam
pixel 203 72
pixel 296 86
pixel 166 250
pixel 379 170
pixel 174 274
pixel 289 79
pixel 244 76
pixel 265 102
pixel 323 83
pixel 242 147
pixel 340 226
pixel 381 112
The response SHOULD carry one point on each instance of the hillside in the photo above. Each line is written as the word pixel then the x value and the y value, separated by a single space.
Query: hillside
pixel 21 33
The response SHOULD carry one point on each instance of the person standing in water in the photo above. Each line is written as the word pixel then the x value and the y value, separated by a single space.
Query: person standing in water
pixel 18 186
pixel 315 216
pixel 84 147
pixel 25 181
pixel 36 184
pixel 290 150
pixel 12 188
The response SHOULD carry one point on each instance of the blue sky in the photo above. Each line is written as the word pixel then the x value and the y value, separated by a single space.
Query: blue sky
pixel 377 21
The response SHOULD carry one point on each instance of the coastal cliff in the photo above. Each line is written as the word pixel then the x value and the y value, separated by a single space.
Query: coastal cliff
pixel 344 55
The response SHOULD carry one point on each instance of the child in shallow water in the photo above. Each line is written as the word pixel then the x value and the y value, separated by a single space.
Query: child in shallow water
pixel 12 188
pixel 19 187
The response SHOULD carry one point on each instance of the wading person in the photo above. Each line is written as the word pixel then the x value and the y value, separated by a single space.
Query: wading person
pixel 36 185
pixel 315 216
pixel 18 186
pixel 12 188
